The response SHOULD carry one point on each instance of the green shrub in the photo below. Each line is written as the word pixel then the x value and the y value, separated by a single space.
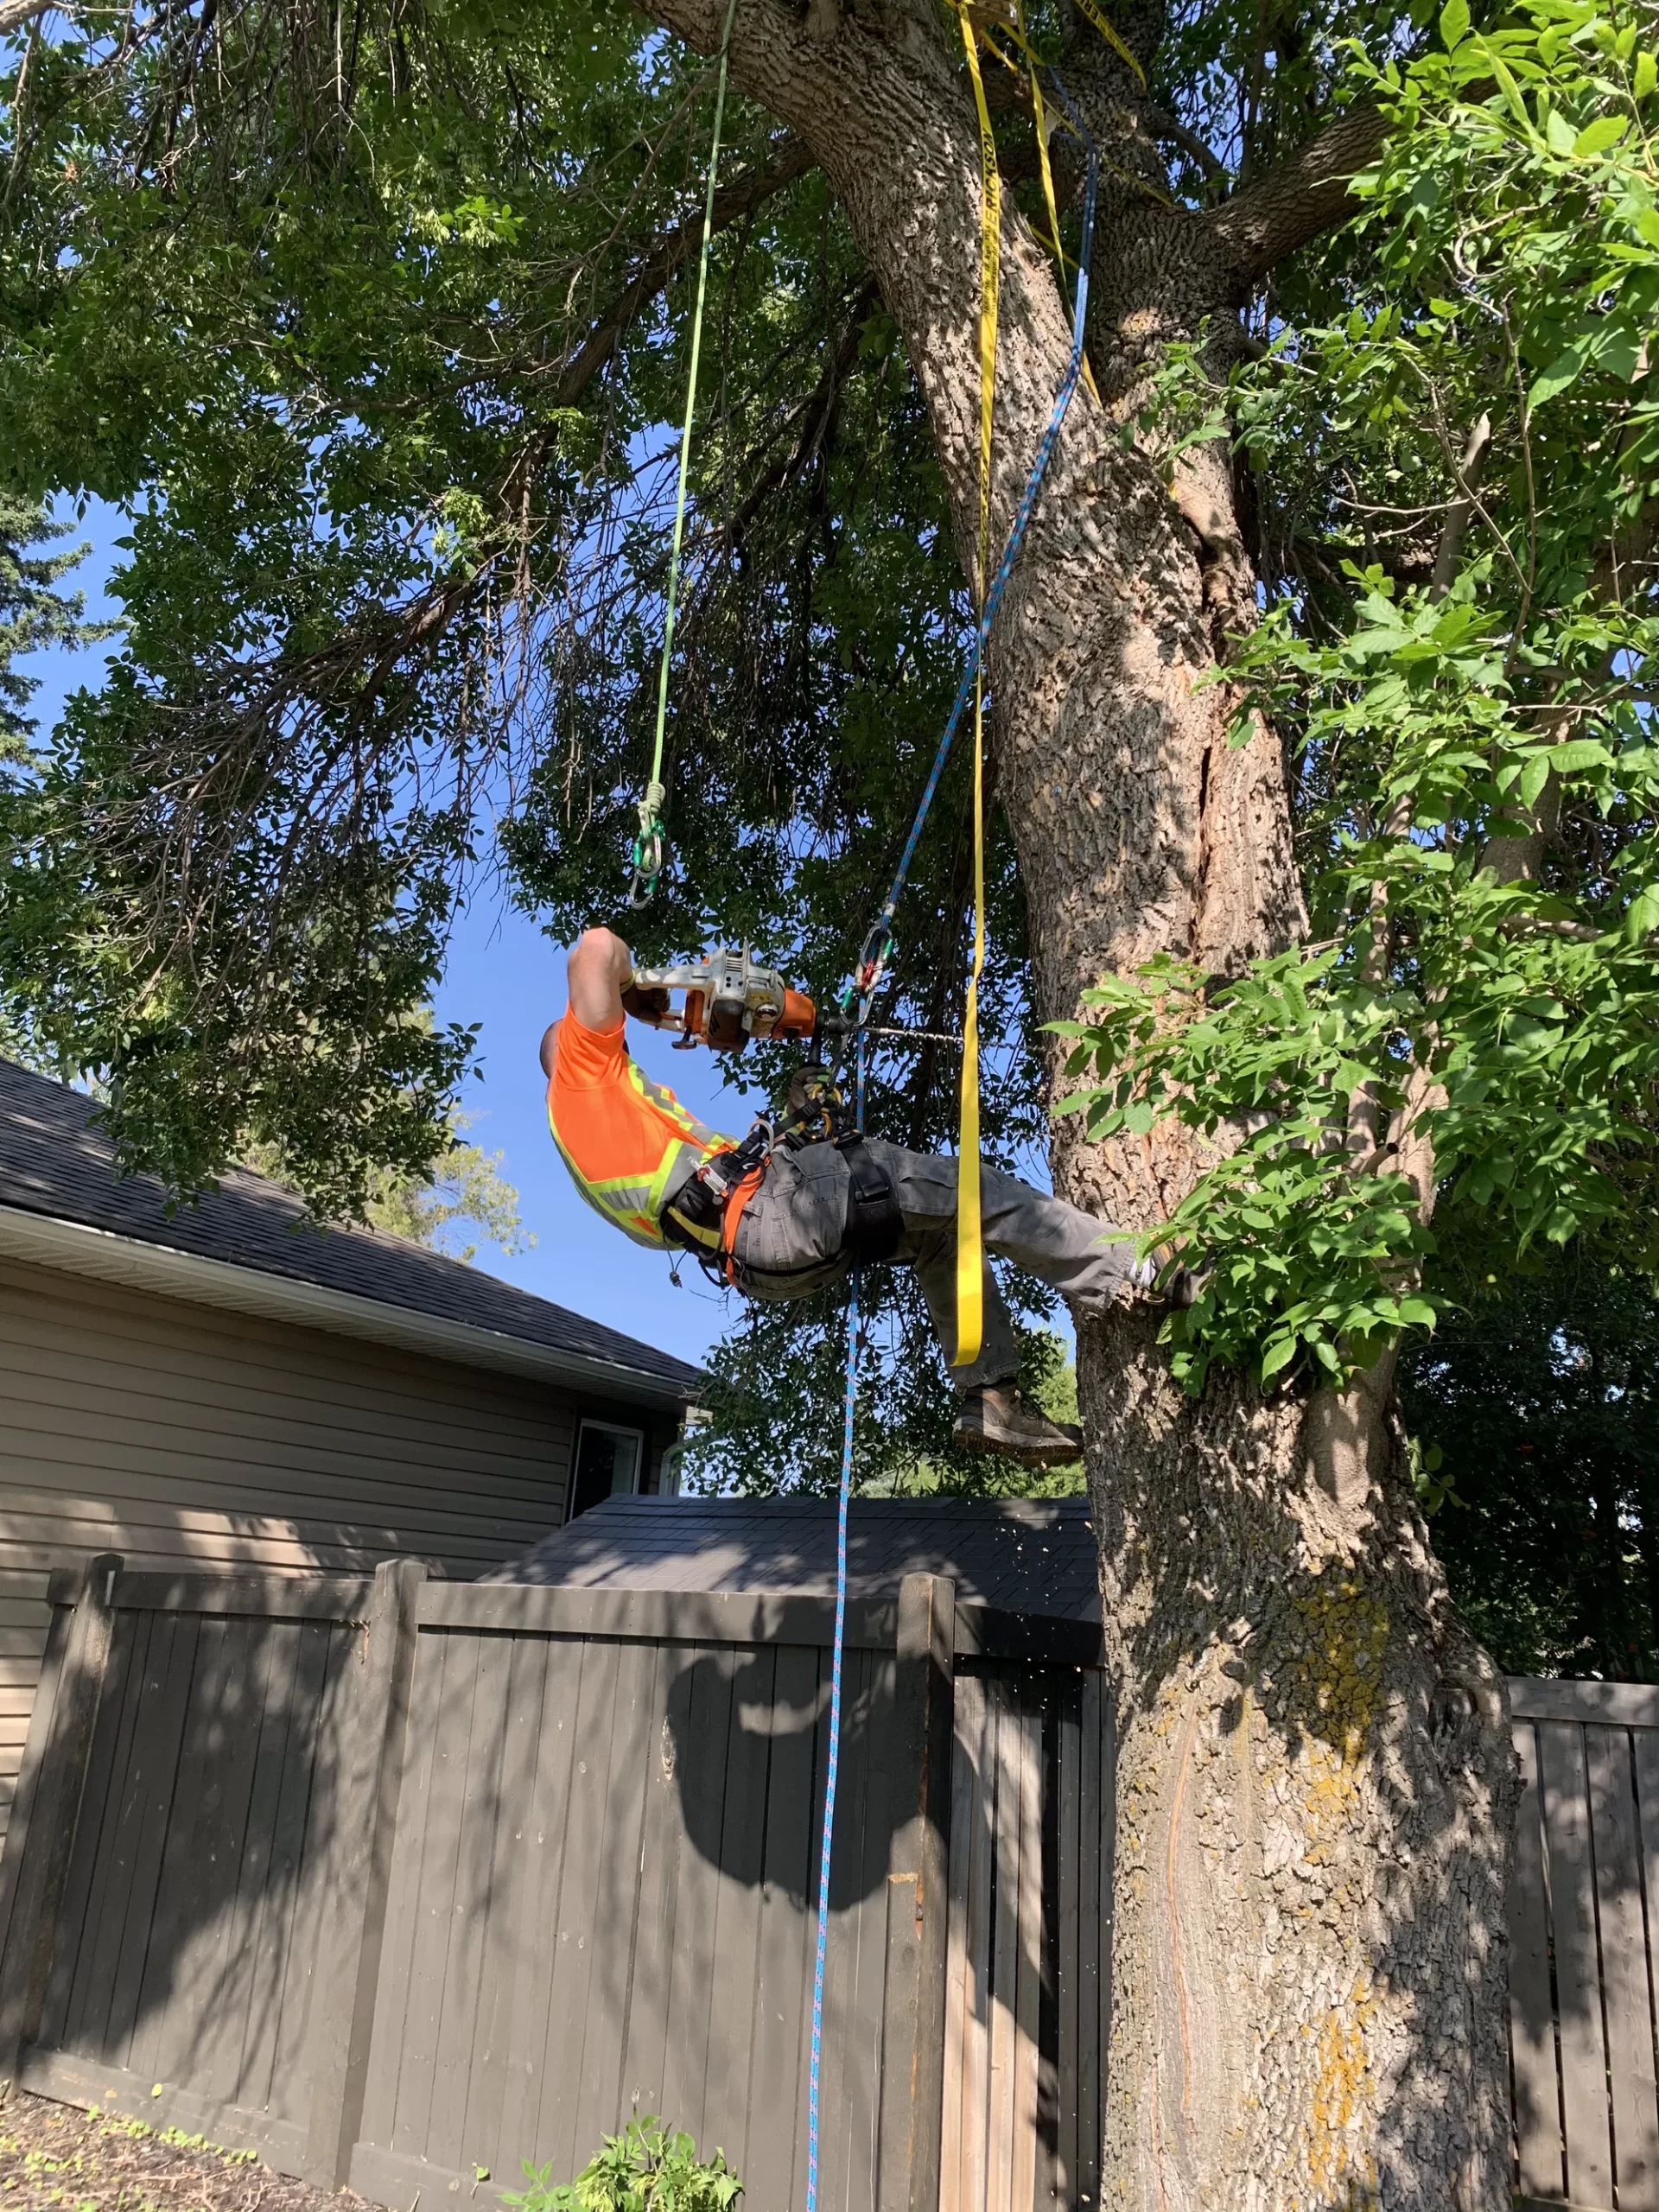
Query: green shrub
pixel 643 2170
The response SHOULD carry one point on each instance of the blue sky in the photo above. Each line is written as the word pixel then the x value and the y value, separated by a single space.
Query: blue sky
pixel 504 974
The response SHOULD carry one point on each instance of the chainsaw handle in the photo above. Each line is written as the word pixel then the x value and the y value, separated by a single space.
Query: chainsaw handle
pixel 649 1002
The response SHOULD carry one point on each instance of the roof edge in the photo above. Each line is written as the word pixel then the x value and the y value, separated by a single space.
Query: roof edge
pixel 104 1256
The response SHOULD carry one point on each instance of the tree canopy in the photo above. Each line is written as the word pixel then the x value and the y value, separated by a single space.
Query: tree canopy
pixel 373 326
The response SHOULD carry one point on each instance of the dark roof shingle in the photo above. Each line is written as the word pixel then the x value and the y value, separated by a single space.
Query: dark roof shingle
pixel 54 1162
pixel 1035 1557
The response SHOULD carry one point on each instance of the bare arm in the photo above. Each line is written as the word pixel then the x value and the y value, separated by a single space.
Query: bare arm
pixel 600 966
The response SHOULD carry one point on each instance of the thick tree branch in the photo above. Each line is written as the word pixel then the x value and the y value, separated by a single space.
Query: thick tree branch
pixel 789 157
pixel 14 14
pixel 1301 197
pixel 884 104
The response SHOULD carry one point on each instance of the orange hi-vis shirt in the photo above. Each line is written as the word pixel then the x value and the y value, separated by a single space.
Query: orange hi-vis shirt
pixel 621 1135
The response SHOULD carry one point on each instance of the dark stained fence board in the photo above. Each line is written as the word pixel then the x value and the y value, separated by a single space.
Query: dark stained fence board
pixel 44 1852
pixel 1626 1998
pixel 1064 2177
pixel 635 1738
pixel 152 1783
pixel 776 2173
pixel 268 1597
pixel 1532 2026
pixel 1028 1964
pixel 338 1650
pixel 1621 1705
pixel 701 1703
pixel 919 1761
pixel 42 1724
pixel 78 1971
pixel 846 2122
pixel 276 1655
pixel 479 1816
pixel 1571 1897
pixel 177 1998
pixel 1094 1936
pixel 737 1908
pixel 656 1898
pixel 279 1915
pixel 563 2132
pixel 512 1901
pixel 454 1660
pixel 964 1782
pixel 403 1901
pixel 353 1859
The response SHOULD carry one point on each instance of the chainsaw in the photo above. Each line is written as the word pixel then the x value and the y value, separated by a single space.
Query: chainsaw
pixel 729 997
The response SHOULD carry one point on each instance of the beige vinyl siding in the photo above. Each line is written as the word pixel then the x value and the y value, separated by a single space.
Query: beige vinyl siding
pixel 175 1433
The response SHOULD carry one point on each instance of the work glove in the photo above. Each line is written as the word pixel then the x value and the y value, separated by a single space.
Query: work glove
pixel 645 1005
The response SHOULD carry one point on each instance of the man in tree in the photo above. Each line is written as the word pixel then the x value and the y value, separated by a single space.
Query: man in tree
pixel 803 1215
pixel 1353 898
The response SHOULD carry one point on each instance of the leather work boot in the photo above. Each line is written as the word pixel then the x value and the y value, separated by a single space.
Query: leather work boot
pixel 997 1418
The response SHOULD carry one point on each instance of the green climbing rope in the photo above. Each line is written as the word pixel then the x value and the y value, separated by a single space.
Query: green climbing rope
pixel 648 845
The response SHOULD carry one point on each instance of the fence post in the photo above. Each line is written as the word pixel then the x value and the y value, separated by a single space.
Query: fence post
pixel 912 2038
pixel 357 1870
pixel 41 1839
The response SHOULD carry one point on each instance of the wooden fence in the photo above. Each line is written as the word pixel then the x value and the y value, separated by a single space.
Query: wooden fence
pixel 1583 1944
pixel 398 1882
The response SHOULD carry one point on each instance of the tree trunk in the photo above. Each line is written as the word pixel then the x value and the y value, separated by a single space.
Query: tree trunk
pixel 1315 1783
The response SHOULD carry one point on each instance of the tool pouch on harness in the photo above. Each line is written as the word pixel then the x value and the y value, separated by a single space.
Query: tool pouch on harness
pixel 874 1223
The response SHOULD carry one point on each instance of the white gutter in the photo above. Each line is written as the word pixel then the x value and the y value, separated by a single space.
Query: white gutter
pixel 162 1271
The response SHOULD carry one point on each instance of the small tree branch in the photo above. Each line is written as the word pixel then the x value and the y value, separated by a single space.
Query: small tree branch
pixel 789 157
pixel 1300 197
pixel 1161 125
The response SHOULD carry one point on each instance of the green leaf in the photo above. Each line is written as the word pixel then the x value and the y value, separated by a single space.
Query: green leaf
pixel 1598 136
pixel 1647 74
pixel 1564 371
pixel 1534 776
pixel 1454 23
pixel 1277 1355
pixel 1641 917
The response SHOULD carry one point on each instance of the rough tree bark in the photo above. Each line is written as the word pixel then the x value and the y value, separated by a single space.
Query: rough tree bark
pixel 1315 1787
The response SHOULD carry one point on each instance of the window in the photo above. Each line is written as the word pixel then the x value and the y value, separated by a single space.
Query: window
pixel 609 1463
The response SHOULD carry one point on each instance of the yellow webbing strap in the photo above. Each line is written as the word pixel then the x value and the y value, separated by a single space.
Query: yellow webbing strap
pixel 1040 116
pixel 1091 9
pixel 970 1256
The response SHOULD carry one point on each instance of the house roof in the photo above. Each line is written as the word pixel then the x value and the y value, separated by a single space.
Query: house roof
pixel 249 1247
pixel 1034 1557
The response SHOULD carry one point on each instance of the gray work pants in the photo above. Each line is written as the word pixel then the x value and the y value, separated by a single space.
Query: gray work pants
pixel 790 1242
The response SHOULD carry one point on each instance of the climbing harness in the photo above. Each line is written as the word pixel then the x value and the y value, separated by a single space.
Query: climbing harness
pixel 648 853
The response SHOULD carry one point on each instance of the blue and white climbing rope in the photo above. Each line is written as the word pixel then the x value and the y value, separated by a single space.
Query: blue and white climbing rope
pixel 834 1691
